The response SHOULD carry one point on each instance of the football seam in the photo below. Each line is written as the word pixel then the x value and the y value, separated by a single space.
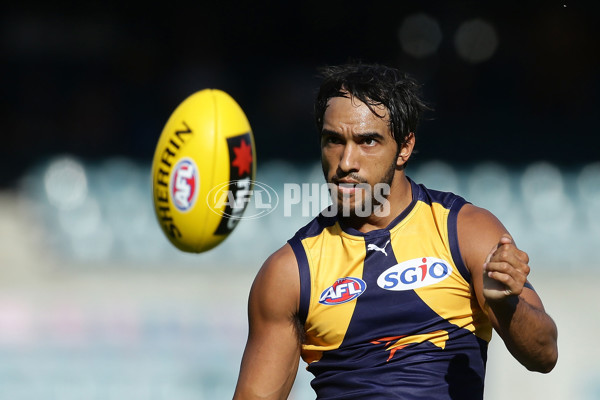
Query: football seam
pixel 216 141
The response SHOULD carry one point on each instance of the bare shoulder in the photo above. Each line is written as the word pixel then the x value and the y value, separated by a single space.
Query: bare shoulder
pixel 276 288
pixel 478 231
pixel 281 265
pixel 477 218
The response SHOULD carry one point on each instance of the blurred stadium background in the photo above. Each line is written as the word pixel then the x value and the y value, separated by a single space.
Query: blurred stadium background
pixel 96 304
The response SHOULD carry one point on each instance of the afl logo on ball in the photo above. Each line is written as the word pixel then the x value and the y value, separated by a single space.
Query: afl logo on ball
pixel 184 184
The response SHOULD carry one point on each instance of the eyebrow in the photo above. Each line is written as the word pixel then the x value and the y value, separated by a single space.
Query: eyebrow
pixel 364 135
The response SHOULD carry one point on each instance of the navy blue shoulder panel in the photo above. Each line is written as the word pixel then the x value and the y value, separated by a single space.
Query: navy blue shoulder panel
pixel 304 272
pixel 454 203
pixel 430 196
pixel 453 238
pixel 313 228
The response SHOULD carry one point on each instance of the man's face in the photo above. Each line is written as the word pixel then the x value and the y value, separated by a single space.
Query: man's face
pixel 357 147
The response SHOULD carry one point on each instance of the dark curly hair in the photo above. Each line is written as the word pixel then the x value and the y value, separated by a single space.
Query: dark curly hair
pixel 374 85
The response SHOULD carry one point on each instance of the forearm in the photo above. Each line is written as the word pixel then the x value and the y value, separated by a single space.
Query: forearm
pixel 261 381
pixel 270 362
pixel 528 332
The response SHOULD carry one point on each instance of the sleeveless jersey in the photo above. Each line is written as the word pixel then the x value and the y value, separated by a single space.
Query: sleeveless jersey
pixel 390 314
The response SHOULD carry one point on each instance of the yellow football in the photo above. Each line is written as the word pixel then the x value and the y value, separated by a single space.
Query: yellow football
pixel 203 170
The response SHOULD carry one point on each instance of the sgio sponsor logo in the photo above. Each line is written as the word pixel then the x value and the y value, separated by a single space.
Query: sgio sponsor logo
pixel 343 291
pixel 414 274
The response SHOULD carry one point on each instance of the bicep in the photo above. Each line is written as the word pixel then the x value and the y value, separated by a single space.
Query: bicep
pixel 272 352
pixel 479 232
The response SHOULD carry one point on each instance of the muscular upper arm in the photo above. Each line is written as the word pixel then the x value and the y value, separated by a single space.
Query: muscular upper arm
pixel 270 360
pixel 479 231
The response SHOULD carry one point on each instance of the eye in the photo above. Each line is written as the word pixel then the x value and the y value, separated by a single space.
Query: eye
pixel 369 142
pixel 331 139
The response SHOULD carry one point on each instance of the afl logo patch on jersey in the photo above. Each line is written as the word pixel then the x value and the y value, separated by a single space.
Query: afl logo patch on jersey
pixel 184 184
pixel 414 274
pixel 342 291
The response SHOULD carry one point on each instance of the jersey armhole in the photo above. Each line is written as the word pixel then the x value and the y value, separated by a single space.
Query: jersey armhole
pixel 453 238
pixel 304 272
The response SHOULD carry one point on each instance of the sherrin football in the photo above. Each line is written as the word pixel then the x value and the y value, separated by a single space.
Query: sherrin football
pixel 203 170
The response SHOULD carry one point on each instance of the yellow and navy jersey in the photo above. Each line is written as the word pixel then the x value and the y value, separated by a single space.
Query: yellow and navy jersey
pixel 391 313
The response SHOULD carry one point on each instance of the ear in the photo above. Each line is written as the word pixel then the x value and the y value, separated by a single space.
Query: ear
pixel 406 150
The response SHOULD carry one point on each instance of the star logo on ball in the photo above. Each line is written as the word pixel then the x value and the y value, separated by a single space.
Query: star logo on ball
pixel 243 158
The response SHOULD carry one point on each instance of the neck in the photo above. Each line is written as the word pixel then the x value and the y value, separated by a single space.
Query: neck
pixel 399 198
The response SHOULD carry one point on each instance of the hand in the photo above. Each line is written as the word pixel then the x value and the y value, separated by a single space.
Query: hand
pixel 505 270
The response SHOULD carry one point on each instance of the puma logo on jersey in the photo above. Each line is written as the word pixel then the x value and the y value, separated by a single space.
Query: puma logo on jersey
pixel 372 246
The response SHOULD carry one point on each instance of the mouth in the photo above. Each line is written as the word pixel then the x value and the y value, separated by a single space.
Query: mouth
pixel 347 186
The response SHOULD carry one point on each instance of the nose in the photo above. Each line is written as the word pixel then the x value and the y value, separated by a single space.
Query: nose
pixel 349 161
